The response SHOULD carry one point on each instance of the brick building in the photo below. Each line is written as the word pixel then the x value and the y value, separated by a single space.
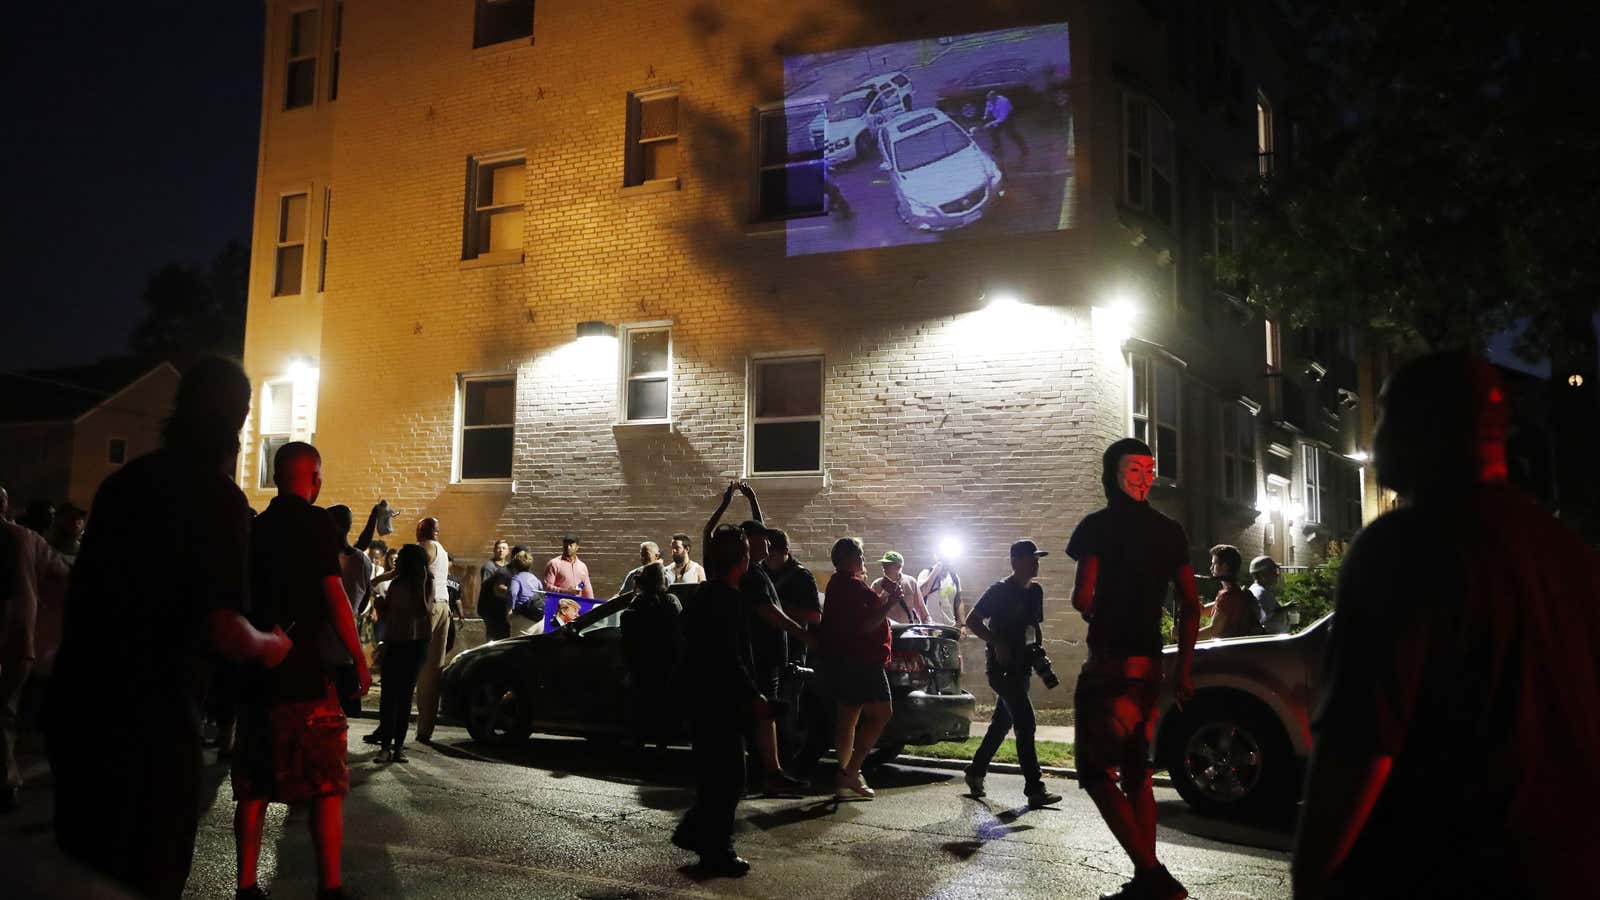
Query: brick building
pixel 543 269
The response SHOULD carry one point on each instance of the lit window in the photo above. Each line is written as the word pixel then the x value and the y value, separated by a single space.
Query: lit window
pixel 1149 159
pixel 117 451
pixel 494 207
pixel 786 420
pixel 646 373
pixel 652 137
pixel 1314 483
pixel 1265 159
pixel 300 79
pixel 1155 407
pixel 290 260
pixel 277 418
pixel 791 179
pixel 338 40
pixel 488 417
pixel 1238 454
pixel 322 257
pixel 498 21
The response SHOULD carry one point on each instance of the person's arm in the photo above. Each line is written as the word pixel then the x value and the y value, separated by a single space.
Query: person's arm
pixel 1342 786
pixel 588 582
pixel 1221 614
pixel 235 638
pixel 877 614
pixel 1188 626
pixel 956 606
pixel 919 609
pixel 755 505
pixel 365 540
pixel 385 577
pixel 344 624
pixel 1083 586
pixel 979 629
pixel 711 524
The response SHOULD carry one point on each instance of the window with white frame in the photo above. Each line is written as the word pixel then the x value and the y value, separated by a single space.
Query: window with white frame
pixel 487 424
pixel 289 261
pixel 1315 484
pixel 300 73
pixel 652 137
pixel 322 256
pixel 1266 159
pixel 498 21
pixel 494 205
pixel 646 372
pixel 117 451
pixel 1149 159
pixel 1155 407
pixel 1238 454
pixel 786 416
pixel 276 422
pixel 791 176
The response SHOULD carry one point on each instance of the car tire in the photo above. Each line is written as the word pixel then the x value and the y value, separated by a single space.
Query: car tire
pixel 882 755
pixel 969 109
pixel 497 709
pixel 1229 756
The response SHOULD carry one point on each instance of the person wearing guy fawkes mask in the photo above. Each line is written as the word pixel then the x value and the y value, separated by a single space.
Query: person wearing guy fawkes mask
pixel 1127 554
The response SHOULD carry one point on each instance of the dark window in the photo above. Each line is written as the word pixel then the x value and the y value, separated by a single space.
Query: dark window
pixel 498 21
pixel 652 137
pixel 289 262
pixel 300 87
pixel 270 445
pixel 488 414
pixel 791 173
pixel 338 39
pixel 786 425
pixel 117 451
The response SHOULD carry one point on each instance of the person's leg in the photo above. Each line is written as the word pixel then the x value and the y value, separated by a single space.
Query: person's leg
pixel 726 787
pixel 999 725
pixel 874 716
pixel 407 668
pixel 1016 135
pixel 386 705
pixel 13 675
pixel 1137 786
pixel 844 734
pixel 1023 724
pixel 327 836
pixel 249 817
pixel 432 666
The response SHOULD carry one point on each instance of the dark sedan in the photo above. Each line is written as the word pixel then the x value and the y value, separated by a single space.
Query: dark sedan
pixel 1027 87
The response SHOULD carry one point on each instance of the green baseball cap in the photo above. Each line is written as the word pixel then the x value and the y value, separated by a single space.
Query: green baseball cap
pixel 893 556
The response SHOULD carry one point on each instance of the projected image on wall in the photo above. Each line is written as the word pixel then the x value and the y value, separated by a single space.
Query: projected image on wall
pixel 930 140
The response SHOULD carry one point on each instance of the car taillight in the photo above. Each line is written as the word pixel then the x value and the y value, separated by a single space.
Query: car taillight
pixel 907 661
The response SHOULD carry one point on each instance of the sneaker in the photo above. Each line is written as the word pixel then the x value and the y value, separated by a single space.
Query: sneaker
pixel 253 892
pixel 681 840
pixel 1130 890
pixel 384 757
pixel 727 864
pixel 1041 798
pixel 852 786
pixel 1158 884
pixel 399 756
pixel 974 784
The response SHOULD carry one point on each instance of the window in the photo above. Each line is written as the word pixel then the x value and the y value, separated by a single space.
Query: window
pixel 117 451
pixel 322 257
pixel 1350 497
pixel 1265 161
pixel 1315 484
pixel 791 180
pixel 652 137
pixel 277 418
pixel 300 77
pixel 1238 454
pixel 487 415
pixel 1224 236
pixel 289 264
pixel 786 420
pixel 646 373
pixel 1154 405
pixel 494 205
pixel 498 21
pixel 338 39
pixel 1149 159
pixel 1274 357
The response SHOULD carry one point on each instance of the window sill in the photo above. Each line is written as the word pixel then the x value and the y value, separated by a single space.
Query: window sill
pixel 509 45
pixel 498 258
pixel 484 487
pixel 659 186
pixel 652 426
pixel 781 227
pixel 788 482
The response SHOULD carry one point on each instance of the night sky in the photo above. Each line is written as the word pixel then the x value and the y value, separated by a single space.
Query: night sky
pixel 131 142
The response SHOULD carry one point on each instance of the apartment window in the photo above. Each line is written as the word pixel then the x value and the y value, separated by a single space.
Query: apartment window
pixel 646 386
pixel 277 412
pixel 488 415
pixel 338 40
pixel 1149 159
pixel 498 21
pixel 1224 234
pixel 1154 403
pixel 1350 497
pixel 1265 159
pixel 1238 454
pixel 1315 485
pixel 652 137
pixel 290 261
pixel 117 451
pixel 322 255
pixel 786 421
pixel 300 79
pixel 494 205
pixel 791 180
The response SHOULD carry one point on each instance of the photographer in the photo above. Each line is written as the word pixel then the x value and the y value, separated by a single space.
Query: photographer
pixel 1001 618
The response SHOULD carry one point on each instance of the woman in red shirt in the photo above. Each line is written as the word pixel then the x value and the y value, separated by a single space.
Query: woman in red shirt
pixel 853 642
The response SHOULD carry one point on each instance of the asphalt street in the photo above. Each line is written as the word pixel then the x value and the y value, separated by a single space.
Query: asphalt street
pixel 568 818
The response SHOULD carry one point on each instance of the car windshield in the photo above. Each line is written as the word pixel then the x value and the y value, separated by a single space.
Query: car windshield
pixel 847 108
pixel 930 146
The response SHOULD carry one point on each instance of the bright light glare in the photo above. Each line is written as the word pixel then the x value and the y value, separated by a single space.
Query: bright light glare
pixel 949 549
pixel 1004 301
pixel 301 370
pixel 1113 322
pixel 1359 456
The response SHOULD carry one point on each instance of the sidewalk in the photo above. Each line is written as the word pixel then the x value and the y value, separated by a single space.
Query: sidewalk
pixel 1059 733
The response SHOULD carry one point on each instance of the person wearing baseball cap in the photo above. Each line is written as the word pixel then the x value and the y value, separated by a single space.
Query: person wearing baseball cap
pixel 567 574
pixel 1001 619
pixel 906 606
pixel 1265 575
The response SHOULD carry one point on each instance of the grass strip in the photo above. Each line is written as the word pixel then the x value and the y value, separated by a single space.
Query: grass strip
pixel 1051 753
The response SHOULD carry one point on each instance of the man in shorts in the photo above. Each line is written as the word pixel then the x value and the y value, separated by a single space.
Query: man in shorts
pixel 291 725
pixel 1127 554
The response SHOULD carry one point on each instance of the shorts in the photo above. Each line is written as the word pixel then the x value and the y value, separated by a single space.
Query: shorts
pixel 1114 719
pixel 855 683
pixel 292 752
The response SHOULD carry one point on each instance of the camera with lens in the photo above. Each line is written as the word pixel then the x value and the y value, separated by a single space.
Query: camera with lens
pixel 1040 663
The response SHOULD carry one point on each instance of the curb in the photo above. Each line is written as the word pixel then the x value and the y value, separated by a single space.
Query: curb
pixel 959 765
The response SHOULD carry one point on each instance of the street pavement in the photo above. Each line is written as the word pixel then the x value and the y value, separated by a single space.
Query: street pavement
pixel 571 818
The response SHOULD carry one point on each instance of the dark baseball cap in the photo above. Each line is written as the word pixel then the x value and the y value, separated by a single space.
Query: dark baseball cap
pixel 752 527
pixel 1027 548
pixel 570 537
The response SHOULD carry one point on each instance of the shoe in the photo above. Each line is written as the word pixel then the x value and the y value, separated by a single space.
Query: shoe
pixel 400 756
pixel 853 787
pixel 1130 890
pixel 1042 798
pixel 727 864
pixel 377 737
pixel 974 784
pixel 1158 884
pixel 780 782
pixel 680 839
pixel 253 892
pixel 384 757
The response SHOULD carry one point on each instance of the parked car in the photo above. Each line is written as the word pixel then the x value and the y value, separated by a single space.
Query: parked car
pixel 942 179
pixel 1242 743
pixel 852 120
pixel 1028 87
pixel 573 681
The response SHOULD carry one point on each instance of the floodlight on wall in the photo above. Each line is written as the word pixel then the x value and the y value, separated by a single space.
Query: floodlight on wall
pixel 949 548
pixel 302 369
pixel 592 329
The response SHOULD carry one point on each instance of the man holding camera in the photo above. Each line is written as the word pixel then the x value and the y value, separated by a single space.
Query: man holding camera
pixel 1002 618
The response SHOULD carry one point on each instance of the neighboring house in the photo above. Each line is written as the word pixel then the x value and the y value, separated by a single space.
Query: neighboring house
pixel 573 267
pixel 62 431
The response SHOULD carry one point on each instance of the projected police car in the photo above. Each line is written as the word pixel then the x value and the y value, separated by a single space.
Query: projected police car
pixel 855 117
pixel 941 178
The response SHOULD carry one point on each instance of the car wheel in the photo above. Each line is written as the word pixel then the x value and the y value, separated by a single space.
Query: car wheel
pixel 1229 757
pixel 883 755
pixel 497 710
pixel 969 109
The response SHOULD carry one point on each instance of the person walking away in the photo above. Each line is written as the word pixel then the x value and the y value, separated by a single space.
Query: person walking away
pixel 723 701
pixel 355 570
pixel 131 813
pixel 652 647
pixel 1001 619
pixel 649 554
pixel 494 585
pixel 998 119
pixel 1127 554
pixel 1452 755
pixel 1234 613
pixel 853 644
pixel 1264 590
pixel 32 569
pixel 940 589
pixel 684 570
pixel 567 574
pixel 907 608
pixel 525 596
pixel 406 610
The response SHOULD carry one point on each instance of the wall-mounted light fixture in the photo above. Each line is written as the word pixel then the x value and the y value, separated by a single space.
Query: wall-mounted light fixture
pixel 594 328
pixel 303 369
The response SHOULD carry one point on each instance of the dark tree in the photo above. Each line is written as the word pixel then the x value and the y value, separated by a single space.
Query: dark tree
pixel 189 312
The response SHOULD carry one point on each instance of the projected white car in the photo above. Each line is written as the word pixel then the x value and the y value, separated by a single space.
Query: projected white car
pixel 942 180
pixel 853 119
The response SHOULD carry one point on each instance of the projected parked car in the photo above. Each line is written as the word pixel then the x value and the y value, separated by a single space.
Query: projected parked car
pixel 854 118
pixel 941 178
pixel 1026 86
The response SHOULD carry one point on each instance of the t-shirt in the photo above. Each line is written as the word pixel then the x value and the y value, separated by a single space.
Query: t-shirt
pixel 293 547
pixel 797 590
pixel 439 568
pixel 941 598
pixel 847 607
pixel 769 646
pixel 630 581
pixel 493 582
pixel 1244 618
pixel 1140 550
pixel 1465 648
pixel 908 609
pixel 568 577
pixel 717 665
pixel 1274 618
pixel 1009 610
